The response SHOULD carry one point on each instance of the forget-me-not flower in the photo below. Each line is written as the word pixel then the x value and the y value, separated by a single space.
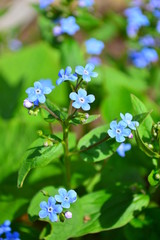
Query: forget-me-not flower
pixel 147 41
pixel 50 209
pixel 127 118
pixel 69 25
pixel 45 3
pixel 123 147
pixel 86 72
pixel 66 198
pixel 94 46
pixel 81 100
pixel 57 30
pixel 38 92
pixel 85 3
pixel 12 236
pixel 144 57
pixel 5 227
pixel 65 75
pixel 14 44
pixel 119 131
pixel 136 19
pixel 94 60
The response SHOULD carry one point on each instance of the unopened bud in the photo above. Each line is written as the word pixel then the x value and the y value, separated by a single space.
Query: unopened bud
pixel 157 176
pixel 87 115
pixel 27 103
pixel 57 31
pixel 40 133
pixel 68 215
pixel 48 143
pixel 130 135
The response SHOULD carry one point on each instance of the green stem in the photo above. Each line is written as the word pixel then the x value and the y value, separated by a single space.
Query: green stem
pixel 66 154
pixel 50 112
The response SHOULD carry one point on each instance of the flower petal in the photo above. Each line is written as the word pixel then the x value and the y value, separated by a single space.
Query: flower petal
pixel 68 71
pixel 94 74
pixel 62 192
pixel 41 98
pixel 38 85
pixel 85 106
pixel 65 205
pixel 73 96
pixel 53 217
pixel 79 70
pixel 86 78
pixel 43 214
pixel 89 67
pixel 113 125
pixel 120 138
pixel 76 105
pixel 43 204
pixel 126 132
pixel 32 97
pixel 82 93
pixel 111 133
pixel 51 201
pixel 72 195
pixel 90 98
pixel 59 81
pixel 58 208
pixel 61 73
pixel 30 90
pixel 58 198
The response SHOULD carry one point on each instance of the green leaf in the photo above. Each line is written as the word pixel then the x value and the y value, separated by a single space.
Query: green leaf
pixel 140 108
pixel 100 151
pixel 145 147
pixel 38 156
pixel 55 109
pixel 95 212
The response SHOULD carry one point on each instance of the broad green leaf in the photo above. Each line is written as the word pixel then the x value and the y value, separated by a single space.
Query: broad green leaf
pixel 56 110
pixel 95 212
pixel 102 146
pixel 139 108
pixel 38 156
pixel 145 147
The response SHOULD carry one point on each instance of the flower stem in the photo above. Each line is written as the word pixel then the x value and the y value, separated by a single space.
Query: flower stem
pixel 66 154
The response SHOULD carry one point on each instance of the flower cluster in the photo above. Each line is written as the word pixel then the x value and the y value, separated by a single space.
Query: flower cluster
pixel 123 128
pixel 66 25
pixel 94 47
pixel 144 15
pixel 36 94
pixel 80 99
pixel 5 232
pixel 54 209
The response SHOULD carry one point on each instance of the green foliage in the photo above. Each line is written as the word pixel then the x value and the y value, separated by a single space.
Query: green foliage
pixel 94 212
pixel 95 145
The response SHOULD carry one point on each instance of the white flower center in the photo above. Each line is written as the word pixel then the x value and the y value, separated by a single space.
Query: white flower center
pixel 66 198
pixel 81 100
pixel 50 209
pixel 128 121
pixel 85 72
pixel 38 91
pixel 118 131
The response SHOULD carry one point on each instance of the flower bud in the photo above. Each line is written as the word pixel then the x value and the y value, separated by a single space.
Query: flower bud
pixel 68 215
pixel 130 136
pixel 57 31
pixel 27 103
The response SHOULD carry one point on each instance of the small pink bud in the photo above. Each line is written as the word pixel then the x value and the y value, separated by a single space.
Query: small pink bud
pixel 87 115
pixel 68 215
pixel 27 103
pixel 130 136
pixel 57 31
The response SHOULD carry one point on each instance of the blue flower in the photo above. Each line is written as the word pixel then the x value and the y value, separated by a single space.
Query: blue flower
pixel 37 92
pixel 46 83
pixel 65 198
pixel 81 100
pixel 51 209
pixel 12 236
pixel 156 13
pixel 154 4
pixel 123 148
pixel 127 118
pixel 86 72
pixel 57 30
pixel 94 46
pixel 86 3
pixel 147 41
pixel 95 61
pixel 119 131
pixel 136 19
pixel 144 57
pixel 65 75
pixel 45 3
pixel 5 227
pixel 15 44
pixel 69 25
